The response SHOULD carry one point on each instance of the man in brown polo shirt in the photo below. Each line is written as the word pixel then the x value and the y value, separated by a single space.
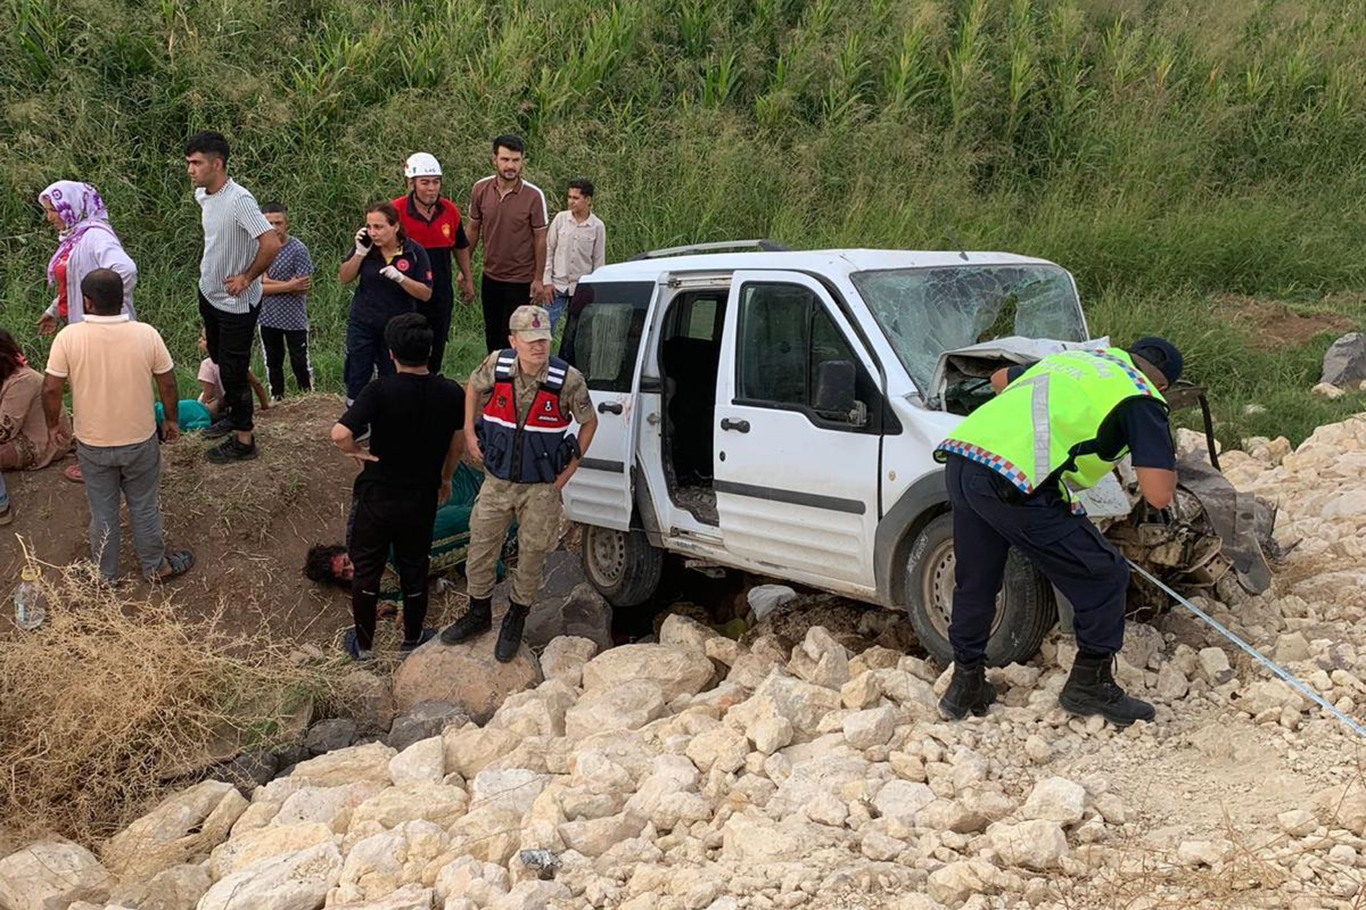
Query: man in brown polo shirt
pixel 509 215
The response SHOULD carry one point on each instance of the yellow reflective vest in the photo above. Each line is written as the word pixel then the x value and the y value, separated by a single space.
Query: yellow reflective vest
pixel 1043 425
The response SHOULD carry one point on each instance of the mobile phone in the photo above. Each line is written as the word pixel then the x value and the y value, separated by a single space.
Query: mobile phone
pixel 365 240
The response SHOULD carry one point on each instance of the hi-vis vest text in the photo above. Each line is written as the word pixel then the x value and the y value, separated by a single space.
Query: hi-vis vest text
pixel 1042 427
pixel 537 449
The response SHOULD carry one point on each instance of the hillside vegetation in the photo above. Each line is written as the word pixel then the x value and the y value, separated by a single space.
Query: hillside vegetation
pixel 1179 157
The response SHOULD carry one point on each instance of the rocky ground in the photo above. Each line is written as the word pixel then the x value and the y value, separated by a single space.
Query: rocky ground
pixel 697 772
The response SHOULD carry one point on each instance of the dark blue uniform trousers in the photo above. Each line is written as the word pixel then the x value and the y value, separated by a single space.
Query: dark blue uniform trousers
pixel 1066 548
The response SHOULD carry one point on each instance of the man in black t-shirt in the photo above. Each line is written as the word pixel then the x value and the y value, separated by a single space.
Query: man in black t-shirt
pixel 415 420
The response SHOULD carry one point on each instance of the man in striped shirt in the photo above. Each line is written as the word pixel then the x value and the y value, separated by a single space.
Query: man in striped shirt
pixel 509 215
pixel 239 245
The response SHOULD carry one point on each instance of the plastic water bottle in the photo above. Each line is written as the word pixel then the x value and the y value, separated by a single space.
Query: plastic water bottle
pixel 29 608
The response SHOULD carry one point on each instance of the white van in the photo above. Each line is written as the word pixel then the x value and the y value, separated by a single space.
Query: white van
pixel 776 412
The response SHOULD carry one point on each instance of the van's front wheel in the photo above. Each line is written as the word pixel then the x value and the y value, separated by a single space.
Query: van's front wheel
pixel 622 565
pixel 1025 608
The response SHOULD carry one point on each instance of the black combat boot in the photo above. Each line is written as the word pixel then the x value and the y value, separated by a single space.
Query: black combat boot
pixel 1091 689
pixel 969 692
pixel 477 620
pixel 510 635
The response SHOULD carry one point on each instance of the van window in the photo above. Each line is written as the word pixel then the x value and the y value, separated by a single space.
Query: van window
pixel 785 335
pixel 602 336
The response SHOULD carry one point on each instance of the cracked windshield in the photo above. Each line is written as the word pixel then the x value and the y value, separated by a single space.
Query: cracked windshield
pixel 925 312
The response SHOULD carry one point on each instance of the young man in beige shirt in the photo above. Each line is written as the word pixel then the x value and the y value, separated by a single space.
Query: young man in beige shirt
pixel 576 244
pixel 111 363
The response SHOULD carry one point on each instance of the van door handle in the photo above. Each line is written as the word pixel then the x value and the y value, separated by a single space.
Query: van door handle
pixel 609 407
pixel 739 426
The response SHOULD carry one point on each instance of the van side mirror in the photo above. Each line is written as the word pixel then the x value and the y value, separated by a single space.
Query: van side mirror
pixel 835 393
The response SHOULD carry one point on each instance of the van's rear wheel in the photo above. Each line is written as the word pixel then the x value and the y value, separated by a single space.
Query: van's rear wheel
pixel 621 565
pixel 1025 608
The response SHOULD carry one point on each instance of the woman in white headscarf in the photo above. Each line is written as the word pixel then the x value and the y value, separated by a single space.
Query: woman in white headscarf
pixel 86 242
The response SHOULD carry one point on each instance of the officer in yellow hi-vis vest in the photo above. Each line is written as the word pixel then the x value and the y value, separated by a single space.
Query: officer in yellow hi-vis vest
pixel 1011 468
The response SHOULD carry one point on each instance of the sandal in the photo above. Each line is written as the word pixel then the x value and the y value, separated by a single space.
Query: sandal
pixel 180 561
pixel 73 473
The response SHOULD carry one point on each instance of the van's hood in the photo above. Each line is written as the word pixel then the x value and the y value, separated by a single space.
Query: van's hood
pixel 979 361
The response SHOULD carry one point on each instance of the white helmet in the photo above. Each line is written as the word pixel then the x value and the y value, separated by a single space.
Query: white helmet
pixel 421 164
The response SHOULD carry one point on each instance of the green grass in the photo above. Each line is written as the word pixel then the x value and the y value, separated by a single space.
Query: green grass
pixel 1165 152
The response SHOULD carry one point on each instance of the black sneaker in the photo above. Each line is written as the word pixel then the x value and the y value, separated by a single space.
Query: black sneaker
pixel 218 429
pixel 477 620
pixel 408 647
pixel 231 450
pixel 510 635
pixel 968 693
pixel 1091 689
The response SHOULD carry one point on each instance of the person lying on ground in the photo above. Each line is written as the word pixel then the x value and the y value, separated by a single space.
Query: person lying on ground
pixel 414 420
pixel 331 564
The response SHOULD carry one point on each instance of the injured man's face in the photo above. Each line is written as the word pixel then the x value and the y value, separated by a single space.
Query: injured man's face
pixel 342 567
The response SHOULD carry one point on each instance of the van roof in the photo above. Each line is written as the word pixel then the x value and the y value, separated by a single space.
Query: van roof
pixel 829 262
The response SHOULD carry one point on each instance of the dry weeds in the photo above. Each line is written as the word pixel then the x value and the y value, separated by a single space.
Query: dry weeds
pixel 116 699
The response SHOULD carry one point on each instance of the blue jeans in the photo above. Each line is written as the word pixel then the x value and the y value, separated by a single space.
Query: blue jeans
pixel 558 304
pixel 4 494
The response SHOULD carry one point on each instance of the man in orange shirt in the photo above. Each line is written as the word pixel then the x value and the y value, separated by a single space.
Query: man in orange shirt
pixel 111 362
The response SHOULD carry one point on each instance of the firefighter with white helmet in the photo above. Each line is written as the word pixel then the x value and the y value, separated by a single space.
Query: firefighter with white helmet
pixel 434 223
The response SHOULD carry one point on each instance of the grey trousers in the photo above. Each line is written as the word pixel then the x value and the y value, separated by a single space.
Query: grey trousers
pixel 135 471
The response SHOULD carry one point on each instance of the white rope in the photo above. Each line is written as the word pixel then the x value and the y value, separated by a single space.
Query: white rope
pixel 1258 656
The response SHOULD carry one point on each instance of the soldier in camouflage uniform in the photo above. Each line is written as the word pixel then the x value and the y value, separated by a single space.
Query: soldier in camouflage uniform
pixel 518 405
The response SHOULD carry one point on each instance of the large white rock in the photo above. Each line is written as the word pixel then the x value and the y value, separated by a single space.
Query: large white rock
pixel 1343 806
pixel 820 660
pixel 670 774
pixel 594 837
pixel 183 826
pixel 409 897
pixel 1056 799
pixel 466 675
pixel 752 838
pixel 423 761
pixel 52 874
pixel 900 800
pixel 490 833
pixel 720 747
pixel 802 704
pixel 295 881
pixel 1039 844
pixel 872 727
pixel 954 883
pixel 564 657
pixel 678 671
pixel 331 806
pixel 437 803
pixel 515 788
pixel 531 895
pixel 263 843
pixel 469 749
pixel 539 712
pixel 823 774
pixel 176 888
pixel 771 734
pixel 382 863
pixel 369 762
pixel 679 631
pixel 627 705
